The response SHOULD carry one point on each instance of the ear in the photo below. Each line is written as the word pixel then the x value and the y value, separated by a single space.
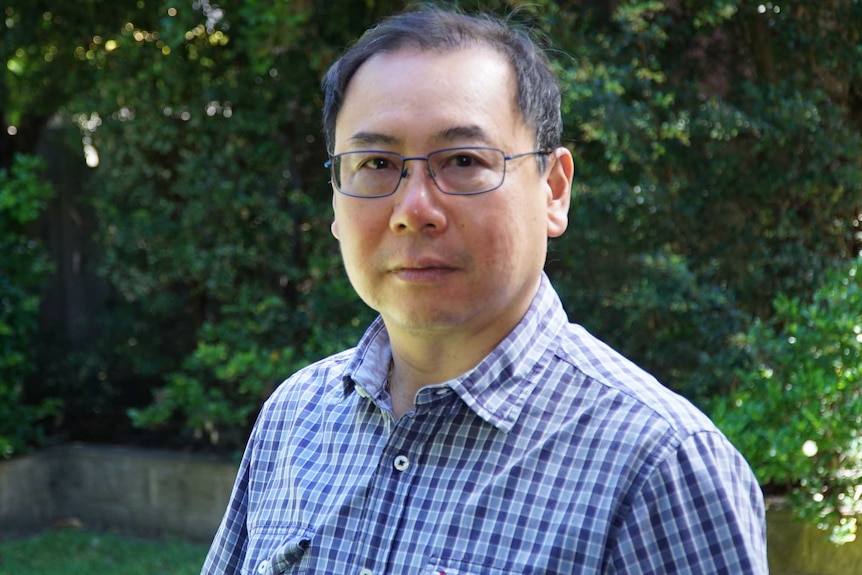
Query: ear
pixel 559 182
pixel 334 226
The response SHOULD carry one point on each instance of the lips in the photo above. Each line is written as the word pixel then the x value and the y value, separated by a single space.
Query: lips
pixel 422 269
pixel 422 264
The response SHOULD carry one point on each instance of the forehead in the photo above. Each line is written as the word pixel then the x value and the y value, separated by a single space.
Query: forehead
pixel 413 95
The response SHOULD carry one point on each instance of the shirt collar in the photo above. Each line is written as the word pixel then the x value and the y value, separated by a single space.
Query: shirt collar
pixel 497 388
pixel 368 370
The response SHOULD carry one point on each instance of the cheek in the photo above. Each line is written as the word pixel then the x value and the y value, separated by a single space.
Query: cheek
pixel 521 236
pixel 350 223
pixel 357 242
pixel 497 242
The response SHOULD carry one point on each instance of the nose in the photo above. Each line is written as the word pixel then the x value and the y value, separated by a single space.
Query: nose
pixel 418 202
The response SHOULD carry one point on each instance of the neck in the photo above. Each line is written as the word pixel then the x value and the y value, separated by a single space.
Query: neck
pixel 433 355
pixel 422 360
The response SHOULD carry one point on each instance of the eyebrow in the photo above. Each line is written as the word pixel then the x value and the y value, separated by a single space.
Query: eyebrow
pixel 469 132
pixel 447 135
pixel 367 139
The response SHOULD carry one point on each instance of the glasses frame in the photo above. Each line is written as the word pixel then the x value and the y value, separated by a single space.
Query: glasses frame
pixel 330 164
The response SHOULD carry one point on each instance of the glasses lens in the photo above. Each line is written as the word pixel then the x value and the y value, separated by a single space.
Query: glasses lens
pixel 468 170
pixel 366 173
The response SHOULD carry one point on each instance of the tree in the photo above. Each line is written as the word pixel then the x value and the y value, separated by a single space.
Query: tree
pixel 714 171
pixel 797 413
pixel 214 206
pixel 22 270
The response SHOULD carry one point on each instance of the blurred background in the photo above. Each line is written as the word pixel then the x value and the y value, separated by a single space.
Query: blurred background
pixel 166 261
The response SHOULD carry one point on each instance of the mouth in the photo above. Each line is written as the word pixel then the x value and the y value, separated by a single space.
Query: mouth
pixel 423 271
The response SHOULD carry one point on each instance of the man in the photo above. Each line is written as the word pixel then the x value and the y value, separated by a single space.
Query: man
pixel 473 430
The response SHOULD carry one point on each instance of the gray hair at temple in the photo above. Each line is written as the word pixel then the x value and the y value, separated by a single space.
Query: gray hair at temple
pixel 435 29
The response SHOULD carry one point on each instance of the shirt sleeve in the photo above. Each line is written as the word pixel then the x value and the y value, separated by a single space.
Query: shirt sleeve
pixel 700 510
pixel 228 548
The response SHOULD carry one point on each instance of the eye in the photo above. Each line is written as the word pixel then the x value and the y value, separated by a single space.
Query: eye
pixel 376 163
pixel 463 159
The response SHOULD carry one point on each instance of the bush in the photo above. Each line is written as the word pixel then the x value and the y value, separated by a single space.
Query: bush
pixel 237 363
pixel 214 211
pixel 797 414
pixel 22 269
pixel 664 316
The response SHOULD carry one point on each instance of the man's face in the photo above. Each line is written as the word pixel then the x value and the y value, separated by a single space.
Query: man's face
pixel 434 263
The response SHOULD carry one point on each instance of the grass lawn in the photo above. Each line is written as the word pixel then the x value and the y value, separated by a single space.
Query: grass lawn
pixel 82 553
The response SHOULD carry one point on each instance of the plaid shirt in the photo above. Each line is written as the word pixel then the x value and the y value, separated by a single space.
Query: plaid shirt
pixel 554 455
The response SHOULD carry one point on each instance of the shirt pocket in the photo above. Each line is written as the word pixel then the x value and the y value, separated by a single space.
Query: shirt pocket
pixel 276 550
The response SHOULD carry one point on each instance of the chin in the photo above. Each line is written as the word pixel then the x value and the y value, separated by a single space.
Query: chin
pixel 425 320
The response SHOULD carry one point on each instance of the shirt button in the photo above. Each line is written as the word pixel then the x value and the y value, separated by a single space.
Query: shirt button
pixel 402 463
pixel 263 567
pixel 366 572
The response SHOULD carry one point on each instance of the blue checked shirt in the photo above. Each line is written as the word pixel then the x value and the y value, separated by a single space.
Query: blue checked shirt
pixel 554 455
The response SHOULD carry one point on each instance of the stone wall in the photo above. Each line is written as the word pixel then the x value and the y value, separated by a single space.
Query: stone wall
pixel 798 549
pixel 27 500
pixel 151 493
pixel 146 492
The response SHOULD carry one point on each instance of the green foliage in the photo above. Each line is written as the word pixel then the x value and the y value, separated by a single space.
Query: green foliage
pixel 232 352
pixel 22 269
pixel 234 368
pixel 797 413
pixel 702 177
pixel 688 322
pixel 214 212
pixel 719 163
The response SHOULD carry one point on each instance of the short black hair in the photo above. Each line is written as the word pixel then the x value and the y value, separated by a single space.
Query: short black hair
pixel 435 29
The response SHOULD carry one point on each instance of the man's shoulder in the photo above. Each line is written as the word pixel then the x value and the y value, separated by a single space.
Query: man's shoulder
pixel 316 380
pixel 604 368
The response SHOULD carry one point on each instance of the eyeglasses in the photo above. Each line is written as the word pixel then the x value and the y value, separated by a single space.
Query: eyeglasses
pixel 459 171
